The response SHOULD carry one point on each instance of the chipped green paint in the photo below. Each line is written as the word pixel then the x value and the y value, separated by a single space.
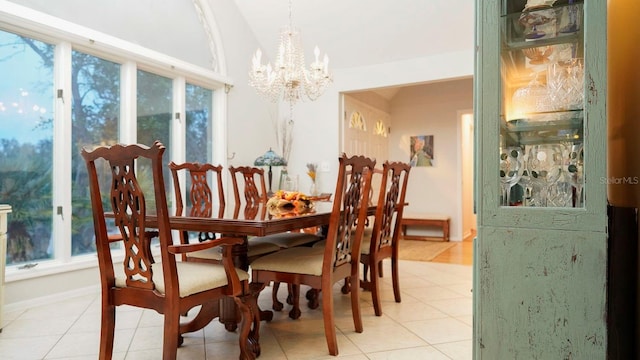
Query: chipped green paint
pixel 539 273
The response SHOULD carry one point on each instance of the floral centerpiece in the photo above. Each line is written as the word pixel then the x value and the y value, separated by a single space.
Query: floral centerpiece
pixel 289 202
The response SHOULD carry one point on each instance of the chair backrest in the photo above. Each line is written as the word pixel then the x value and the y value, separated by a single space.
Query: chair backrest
pixel 376 179
pixel 199 191
pixel 349 212
pixel 254 190
pixel 129 206
pixel 391 202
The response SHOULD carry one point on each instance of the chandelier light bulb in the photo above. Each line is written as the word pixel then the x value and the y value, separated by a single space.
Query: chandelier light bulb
pixel 289 80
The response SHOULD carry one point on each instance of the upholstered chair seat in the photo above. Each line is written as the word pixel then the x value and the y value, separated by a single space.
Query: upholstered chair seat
pixel 254 250
pixel 299 260
pixel 194 277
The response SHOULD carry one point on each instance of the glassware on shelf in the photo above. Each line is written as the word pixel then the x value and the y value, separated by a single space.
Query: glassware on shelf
pixel 538 55
pixel 575 172
pixel 560 194
pixel 538 20
pixel 575 84
pixel 542 103
pixel 545 167
pixel 565 84
pixel 557 84
pixel 569 19
pixel 511 168
pixel 532 98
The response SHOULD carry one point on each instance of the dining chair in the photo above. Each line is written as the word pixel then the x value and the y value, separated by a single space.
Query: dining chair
pixel 383 241
pixel 199 192
pixel 255 197
pixel 131 275
pixel 376 179
pixel 321 267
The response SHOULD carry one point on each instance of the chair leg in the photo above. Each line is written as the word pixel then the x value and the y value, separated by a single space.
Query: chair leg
pixel 346 287
pixel 329 321
pixel 312 296
pixel 171 338
pixel 380 268
pixel 289 294
pixel 365 272
pixel 295 301
pixel 374 286
pixel 355 302
pixel 107 331
pixel 395 275
pixel 276 305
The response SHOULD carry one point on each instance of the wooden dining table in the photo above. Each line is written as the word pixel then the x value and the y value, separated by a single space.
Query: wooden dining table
pixel 245 223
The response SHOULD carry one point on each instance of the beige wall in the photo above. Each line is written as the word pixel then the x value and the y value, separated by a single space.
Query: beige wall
pixel 433 109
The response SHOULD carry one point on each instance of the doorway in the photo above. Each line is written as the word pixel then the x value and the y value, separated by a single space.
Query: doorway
pixel 468 216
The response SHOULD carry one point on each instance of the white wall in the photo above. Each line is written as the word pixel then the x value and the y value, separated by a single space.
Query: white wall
pixel 250 128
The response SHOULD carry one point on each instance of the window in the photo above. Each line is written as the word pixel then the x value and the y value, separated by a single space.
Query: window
pixel 154 104
pixel 26 140
pixel 199 105
pixel 42 173
pixel 198 129
pixel 95 118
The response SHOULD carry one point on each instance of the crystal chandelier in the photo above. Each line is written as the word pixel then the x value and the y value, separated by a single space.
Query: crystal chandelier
pixel 288 79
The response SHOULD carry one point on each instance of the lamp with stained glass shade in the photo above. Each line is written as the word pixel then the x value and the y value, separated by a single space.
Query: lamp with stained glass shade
pixel 270 158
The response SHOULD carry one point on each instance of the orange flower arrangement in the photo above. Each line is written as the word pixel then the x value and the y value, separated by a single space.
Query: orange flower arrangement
pixel 283 202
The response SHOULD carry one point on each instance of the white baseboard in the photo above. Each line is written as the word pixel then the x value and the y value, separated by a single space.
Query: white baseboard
pixel 44 300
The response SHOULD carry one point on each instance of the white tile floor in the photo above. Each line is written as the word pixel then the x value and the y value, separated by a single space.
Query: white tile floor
pixel 433 321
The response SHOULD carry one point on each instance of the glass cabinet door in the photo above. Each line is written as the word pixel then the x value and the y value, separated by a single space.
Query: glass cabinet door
pixel 542 96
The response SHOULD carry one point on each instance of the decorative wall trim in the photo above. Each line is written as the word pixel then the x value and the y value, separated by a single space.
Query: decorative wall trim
pixel 207 20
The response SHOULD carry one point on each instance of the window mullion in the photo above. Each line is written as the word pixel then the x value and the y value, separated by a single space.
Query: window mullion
pixel 178 126
pixel 62 127
pixel 128 106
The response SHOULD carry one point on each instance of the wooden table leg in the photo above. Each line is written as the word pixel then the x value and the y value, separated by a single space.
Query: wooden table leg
pixel 229 314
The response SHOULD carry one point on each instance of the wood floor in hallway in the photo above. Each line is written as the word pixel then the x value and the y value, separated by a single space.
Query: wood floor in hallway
pixel 461 253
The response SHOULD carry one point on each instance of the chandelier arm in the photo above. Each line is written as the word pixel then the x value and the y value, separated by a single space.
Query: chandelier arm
pixel 289 80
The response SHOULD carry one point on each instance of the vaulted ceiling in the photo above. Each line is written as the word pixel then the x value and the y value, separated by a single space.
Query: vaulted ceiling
pixel 357 33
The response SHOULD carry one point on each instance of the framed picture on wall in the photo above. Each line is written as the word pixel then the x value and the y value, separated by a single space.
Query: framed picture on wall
pixel 421 150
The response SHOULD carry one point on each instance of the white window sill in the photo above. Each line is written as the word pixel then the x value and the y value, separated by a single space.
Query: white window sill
pixel 49 267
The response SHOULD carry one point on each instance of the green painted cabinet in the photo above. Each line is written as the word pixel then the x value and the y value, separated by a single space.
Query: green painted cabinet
pixel 540 257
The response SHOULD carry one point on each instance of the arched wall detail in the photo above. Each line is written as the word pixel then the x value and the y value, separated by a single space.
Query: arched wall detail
pixel 208 22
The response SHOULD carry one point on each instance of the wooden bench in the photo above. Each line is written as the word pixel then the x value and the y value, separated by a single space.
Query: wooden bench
pixel 433 220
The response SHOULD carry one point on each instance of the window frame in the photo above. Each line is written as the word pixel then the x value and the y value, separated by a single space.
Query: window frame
pixel 68 37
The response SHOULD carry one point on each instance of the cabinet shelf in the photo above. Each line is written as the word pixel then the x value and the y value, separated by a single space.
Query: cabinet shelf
pixel 543 128
pixel 521 44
